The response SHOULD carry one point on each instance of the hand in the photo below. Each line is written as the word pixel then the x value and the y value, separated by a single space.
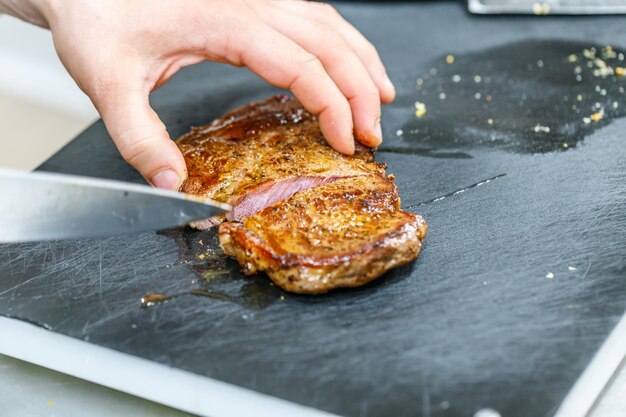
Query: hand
pixel 118 51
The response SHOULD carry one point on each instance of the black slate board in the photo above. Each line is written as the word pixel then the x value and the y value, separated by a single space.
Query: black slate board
pixel 473 323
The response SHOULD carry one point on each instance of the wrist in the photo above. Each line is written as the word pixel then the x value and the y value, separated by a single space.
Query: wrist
pixel 32 11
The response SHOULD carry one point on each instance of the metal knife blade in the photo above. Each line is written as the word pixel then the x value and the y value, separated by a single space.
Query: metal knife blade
pixel 44 206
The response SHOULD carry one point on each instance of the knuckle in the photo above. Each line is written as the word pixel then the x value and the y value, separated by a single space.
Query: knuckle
pixel 371 92
pixel 135 146
pixel 308 62
pixel 333 40
pixel 369 51
pixel 328 9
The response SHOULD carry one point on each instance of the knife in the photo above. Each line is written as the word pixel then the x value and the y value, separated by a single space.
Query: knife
pixel 44 206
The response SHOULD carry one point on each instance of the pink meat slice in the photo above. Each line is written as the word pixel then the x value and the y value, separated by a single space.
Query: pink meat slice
pixel 274 192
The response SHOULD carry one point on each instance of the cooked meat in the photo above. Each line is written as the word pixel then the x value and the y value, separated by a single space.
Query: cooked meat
pixel 263 152
pixel 341 234
pixel 311 218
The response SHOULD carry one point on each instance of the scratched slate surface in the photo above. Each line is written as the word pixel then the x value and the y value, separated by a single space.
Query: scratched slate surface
pixel 474 323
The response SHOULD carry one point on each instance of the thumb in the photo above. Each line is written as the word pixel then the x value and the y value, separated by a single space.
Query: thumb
pixel 142 139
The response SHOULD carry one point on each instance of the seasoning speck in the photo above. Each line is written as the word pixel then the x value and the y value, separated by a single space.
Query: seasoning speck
pixel 549 275
pixel 477 79
pixel 572 58
pixel 489 121
pixel 450 59
pixel 571 268
pixel 420 109
pixel 456 78
pixel 597 116
pixel 477 96
pixel 442 96
pixel 541 129
pixel 540 9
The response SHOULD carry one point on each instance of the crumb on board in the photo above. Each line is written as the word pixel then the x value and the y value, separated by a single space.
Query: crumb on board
pixel 541 9
pixel 597 116
pixel 420 109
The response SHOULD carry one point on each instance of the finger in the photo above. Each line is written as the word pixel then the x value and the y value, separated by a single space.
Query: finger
pixel 343 66
pixel 328 15
pixel 282 62
pixel 141 137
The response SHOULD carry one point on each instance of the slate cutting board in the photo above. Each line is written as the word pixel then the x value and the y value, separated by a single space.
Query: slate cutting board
pixel 521 278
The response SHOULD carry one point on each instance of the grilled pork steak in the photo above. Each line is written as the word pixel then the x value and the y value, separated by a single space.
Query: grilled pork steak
pixel 311 218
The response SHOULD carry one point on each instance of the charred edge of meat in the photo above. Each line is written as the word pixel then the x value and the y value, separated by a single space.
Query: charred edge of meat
pixel 305 275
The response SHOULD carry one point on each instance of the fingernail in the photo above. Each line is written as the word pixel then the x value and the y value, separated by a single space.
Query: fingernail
pixel 378 131
pixel 388 84
pixel 166 179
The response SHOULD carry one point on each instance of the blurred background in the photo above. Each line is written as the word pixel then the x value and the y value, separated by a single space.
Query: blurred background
pixel 41 108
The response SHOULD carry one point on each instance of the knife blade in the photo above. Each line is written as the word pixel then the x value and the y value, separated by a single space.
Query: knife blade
pixel 45 206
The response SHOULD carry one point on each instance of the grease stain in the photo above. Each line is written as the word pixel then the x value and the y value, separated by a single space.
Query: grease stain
pixel 220 277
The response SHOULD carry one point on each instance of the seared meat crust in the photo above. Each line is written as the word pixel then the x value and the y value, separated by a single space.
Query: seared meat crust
pixel 311 218
pixel 263 143
pixel 341 234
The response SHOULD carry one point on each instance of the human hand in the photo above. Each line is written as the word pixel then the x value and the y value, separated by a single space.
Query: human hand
pixel 118 51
